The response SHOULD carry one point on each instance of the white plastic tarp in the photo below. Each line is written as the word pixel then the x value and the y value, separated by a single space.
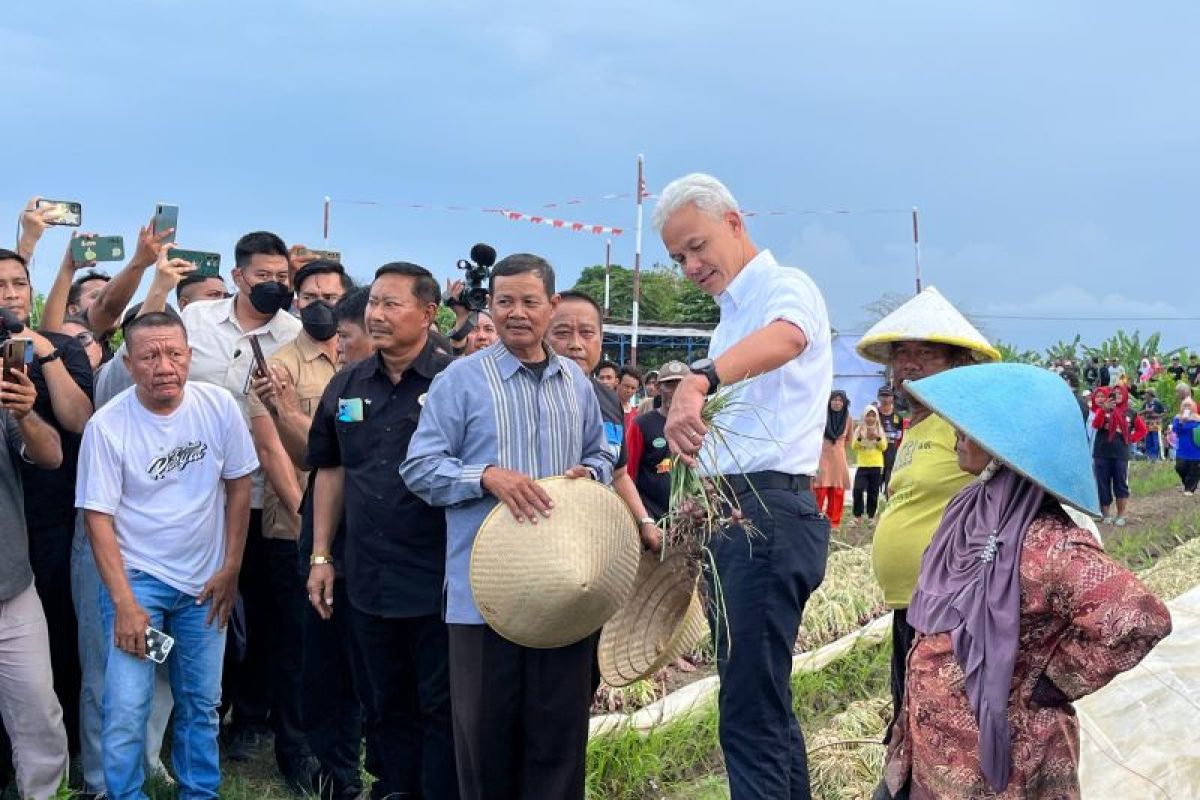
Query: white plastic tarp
pixel 1140 735
pixel 858 378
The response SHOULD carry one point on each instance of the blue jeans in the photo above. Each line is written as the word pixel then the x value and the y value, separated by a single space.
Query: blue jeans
pixel 86 589
pixel 1151 445
pixel 194 666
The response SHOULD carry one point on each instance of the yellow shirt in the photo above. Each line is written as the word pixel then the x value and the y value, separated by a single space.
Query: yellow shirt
pixel 869 454
pixel 924 479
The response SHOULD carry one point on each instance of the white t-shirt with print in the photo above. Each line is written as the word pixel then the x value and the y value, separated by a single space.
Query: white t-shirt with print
pixel 160 477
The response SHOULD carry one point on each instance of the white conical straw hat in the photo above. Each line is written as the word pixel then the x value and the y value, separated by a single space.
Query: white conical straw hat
pixel 928 317
pixel 555 583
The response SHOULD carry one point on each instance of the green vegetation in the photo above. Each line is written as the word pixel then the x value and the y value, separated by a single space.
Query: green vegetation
pixel 628 765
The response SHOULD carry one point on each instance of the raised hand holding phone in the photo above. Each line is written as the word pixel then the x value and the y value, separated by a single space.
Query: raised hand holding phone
pixel 149 245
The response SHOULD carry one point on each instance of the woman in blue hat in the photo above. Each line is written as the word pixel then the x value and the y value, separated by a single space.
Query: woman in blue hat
pixel 1018 612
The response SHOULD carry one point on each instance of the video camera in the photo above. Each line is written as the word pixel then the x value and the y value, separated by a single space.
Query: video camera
pixel 474 295
pixel 9 324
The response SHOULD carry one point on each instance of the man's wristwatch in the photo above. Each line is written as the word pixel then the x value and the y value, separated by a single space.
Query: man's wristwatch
pixel 708 368
pixel 316 560
pixel 53 355
pixel 647 521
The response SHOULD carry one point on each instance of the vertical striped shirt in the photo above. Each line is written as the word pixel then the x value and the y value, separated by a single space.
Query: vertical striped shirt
pixel 489 409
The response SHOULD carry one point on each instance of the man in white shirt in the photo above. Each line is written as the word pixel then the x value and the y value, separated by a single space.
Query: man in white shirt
pixel 774 329
pixel 219 332
pixel 164 483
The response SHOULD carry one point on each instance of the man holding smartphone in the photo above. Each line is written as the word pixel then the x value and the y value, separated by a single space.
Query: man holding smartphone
pixel 219 333
pixel 28 704
pixel 165 489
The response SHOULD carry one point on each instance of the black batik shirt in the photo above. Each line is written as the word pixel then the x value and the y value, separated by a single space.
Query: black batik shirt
pixel 395 550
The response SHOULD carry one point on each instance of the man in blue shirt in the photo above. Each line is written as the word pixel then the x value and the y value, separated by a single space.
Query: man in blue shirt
pixel 493 423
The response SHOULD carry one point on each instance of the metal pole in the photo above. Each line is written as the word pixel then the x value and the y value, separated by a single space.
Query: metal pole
pixel 607 275
pixel 326 228
pixel 916 249
pixel 637 267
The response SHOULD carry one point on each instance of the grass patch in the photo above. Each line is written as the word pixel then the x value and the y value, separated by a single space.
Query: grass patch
pixel 1138 549
pixel 1148 477
pixel 627 765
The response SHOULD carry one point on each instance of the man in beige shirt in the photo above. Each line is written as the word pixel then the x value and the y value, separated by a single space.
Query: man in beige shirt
pixel 307 363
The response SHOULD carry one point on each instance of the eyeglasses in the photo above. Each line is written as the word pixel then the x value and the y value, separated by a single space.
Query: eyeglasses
pixel 85 338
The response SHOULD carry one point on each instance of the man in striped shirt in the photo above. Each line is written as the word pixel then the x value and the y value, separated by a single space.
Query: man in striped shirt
pixel 493 423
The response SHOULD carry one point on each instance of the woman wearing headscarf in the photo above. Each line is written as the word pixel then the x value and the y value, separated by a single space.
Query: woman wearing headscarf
pixel 869 444
pixel 1117 428
pixel 833 474
pixel 1018 612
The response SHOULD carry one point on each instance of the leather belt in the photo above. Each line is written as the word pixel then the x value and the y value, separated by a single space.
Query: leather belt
pixel 767 479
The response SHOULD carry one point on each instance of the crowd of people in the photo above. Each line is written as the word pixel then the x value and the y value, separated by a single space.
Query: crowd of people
pixel 298 529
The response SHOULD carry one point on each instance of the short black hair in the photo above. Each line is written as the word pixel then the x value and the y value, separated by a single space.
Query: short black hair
pixel 353 306
pixel 258 243
pixel 606 364
pixel 583 297
pixel 322 266
pixel 132 312
pixel 192 280
pixel 77 285
pixel 425 286
pixel 13 255
pixel 519 264
pixel 155 319
pixel 633 372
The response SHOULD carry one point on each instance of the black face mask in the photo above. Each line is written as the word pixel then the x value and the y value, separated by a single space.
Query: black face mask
pixel 270 297
pixel 317 319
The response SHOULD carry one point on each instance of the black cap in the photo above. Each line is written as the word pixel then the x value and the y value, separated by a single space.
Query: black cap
pixel 885 391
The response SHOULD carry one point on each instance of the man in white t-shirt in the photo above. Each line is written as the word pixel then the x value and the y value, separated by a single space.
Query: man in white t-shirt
pixel 164 482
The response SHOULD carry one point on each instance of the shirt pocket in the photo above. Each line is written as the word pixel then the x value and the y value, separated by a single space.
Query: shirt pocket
pixel 354 442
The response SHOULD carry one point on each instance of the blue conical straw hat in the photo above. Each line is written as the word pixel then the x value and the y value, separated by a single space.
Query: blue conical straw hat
pixel 1022 415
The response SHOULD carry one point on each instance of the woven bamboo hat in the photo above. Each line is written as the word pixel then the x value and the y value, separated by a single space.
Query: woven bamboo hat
pixel 555 583
pixel 928 317
pixel 662 619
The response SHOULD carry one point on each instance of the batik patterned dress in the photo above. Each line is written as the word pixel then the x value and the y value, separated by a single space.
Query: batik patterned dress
pixel 1084 620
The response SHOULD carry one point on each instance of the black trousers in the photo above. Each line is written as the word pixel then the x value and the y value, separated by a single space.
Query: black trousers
pixel 333 692
pixel 406 664
pixel 764 584
pixel 1188 471
pixel 889 461
pixel 867 481
pixel 520 716
pixel 50 557
pixel 265 688
pixel 903 635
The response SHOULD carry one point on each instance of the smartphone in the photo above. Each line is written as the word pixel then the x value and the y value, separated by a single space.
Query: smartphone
pixel 328 255
pixel 17 354
pixel 97 248
pixel 166 216
pixel 259 370
pixel 64 212
pixel 158 645
pixel 208 265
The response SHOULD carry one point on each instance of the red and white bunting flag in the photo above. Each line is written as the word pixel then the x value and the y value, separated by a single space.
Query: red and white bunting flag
pixel 577 227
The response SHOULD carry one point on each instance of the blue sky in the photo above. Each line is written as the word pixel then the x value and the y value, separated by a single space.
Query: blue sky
pixel 1051 147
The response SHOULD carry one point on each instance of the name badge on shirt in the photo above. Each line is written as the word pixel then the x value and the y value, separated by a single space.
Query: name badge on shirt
pixel 350 409
pixel 614 433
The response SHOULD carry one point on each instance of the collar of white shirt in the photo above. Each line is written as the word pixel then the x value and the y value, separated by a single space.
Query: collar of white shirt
pixel 744 283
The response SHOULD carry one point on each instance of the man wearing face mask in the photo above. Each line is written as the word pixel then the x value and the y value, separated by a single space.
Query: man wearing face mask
pixel 307 363
pixel 219 333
